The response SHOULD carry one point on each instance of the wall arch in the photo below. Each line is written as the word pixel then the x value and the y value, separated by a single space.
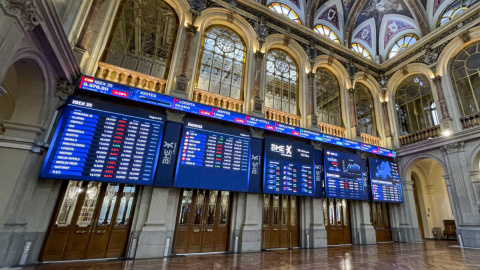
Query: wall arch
pixel 374 88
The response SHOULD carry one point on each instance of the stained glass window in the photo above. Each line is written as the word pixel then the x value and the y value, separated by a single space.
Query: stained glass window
pixel 402 43
pixel 465 74
pixel 415 106
pixel 143 37
pixel 222 63
pixel 453 10
pixel 329 109
pixel 365 110
pixel 361 50
pixel 325 31
pixel 286 11
pixel 281 80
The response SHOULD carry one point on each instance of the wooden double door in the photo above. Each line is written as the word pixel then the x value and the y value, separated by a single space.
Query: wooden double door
pixel 337 221
pixel 280 222
pixel 203 221
pixel 92 220
pixel 380 218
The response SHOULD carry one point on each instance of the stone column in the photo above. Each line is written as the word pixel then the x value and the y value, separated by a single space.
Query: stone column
pixel 312 112
pixel 80 49
pixel 151 242
pixel 363 232
pixel 251 232
pixel 257 103
pixel 475 178
pixel 441 98
pixel 353 112
pixel 462 195
pixel 182 79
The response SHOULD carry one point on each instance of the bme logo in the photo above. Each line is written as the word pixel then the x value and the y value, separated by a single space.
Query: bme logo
pixel 282 149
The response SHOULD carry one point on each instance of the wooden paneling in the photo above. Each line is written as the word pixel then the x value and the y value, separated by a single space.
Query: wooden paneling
pixel 380 218
pixel 92 220
pixel 280 222
pixel 202 222
pixel 337 221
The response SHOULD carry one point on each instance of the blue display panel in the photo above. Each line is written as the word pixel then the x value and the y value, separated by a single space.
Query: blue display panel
pixel 213 157
pixel 168 155
pixel 385 181
pixel 344 175
pixel 318 159
pixel 289 168
pixel 131 93
pixel 99 142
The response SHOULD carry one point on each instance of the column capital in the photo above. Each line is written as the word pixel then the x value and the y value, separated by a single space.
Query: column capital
pixel 453 147
pixel 64 89
pixel 437 79
pixel 311 75
pixel 351 90
pixel 259 54
pixel 190 28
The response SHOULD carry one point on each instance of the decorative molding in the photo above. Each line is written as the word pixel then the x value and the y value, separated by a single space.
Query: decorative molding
pixel 256 132
pixel 454 147
pixel 64 89
pixel 230 15
pixel 465 36
pixel 175 116
pixel 25 11
pixel 190 28
pixel 286 40
pixel 316 145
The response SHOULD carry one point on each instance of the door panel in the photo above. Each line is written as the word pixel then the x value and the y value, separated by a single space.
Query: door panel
pixel 337 221
pixel 380 218
pixel 85 226
pixel 280 222
pixel 202 222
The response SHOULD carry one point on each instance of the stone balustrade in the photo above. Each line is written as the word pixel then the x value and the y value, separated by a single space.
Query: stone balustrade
pixel 370 139
pixel 470 121
pixel 282 117
pixel 217 100
pixel 129 77
pixel 331 129
pixel 419 136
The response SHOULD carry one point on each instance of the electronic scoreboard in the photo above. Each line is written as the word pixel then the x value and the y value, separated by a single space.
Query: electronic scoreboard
pixel 385 181
pixel 100 142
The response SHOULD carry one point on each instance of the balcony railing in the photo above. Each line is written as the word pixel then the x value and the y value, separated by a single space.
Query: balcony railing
pixel 217 100
pixel 282 117
pixel 370 139
pixel 129 77
pixel 419 136
pixel 331 129
pixel 470 121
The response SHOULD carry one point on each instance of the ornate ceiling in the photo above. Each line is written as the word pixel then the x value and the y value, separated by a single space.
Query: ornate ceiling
pixel 376 24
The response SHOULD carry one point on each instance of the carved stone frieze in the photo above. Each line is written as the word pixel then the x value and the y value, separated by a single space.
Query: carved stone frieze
pixel 64 89
pixel 256 132
pixel 26 12
pixel 454 147
pixel 316 145
pixel 175 116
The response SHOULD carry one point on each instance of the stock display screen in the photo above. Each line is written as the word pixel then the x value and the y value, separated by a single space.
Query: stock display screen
pixel 100 142
pixel 385 181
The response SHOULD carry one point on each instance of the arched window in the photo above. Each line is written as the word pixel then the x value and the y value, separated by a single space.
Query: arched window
pixel 327 92
pixel 222 63
pixel 286 11
pixel 325 31
pixel 415 106
pixel 453 10
pixel 144 37
pixel 282 82
pixel 365 110
pixel 401 44
pixel 465 74
pixel 361 50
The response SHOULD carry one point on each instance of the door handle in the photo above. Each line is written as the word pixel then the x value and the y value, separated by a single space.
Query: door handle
pixel 196 230
pixel 101 231
pixel 209 230
pixel 80 232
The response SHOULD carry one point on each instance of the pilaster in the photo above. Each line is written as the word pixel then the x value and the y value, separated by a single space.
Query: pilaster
pixel 251 231
pixel 363 232
pixel 183 78
pixel 257 103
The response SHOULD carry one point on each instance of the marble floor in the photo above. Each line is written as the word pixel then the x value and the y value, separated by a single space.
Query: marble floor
pixel 426 255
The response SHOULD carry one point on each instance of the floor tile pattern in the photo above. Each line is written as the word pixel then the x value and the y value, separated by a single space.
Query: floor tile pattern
pixel 426 255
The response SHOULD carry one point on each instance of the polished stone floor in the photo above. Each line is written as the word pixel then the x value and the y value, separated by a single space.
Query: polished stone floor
pixel 426 255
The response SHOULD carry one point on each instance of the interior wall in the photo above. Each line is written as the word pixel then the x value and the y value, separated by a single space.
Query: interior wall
pixel 432 195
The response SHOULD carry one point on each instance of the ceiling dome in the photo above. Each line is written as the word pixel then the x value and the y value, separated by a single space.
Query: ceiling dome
pixel 381 27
